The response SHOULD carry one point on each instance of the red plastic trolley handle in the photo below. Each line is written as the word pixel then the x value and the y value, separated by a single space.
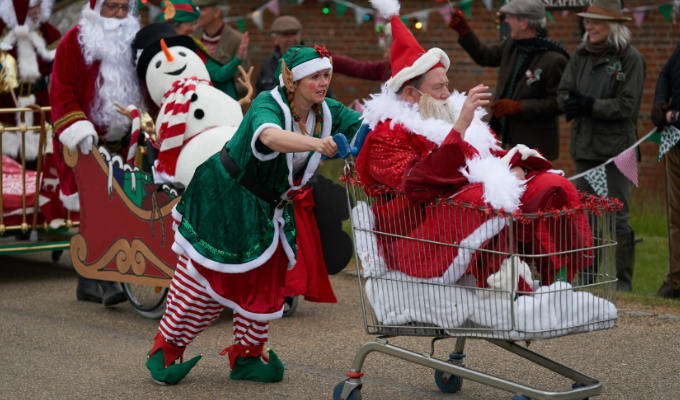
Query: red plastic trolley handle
pixel 355 375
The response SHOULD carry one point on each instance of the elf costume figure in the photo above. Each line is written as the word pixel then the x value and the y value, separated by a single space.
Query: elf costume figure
pixel 427 142
pixel 235 225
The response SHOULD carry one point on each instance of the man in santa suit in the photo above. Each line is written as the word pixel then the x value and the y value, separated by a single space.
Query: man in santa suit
pixel 92 72
pixel 28 37
pixel 427 143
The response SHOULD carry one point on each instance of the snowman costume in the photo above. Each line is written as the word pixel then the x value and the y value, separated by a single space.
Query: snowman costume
pixel 236 235
pixel 194 118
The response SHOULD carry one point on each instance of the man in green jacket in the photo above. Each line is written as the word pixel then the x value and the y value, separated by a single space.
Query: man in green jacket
pixel 525 109
pixel 601 91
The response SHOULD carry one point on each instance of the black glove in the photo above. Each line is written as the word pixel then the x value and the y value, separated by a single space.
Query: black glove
pixel 659 115
pixel 578 105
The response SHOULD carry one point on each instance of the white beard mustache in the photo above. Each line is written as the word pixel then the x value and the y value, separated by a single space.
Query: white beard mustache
pixel 109 41
pixel 430 107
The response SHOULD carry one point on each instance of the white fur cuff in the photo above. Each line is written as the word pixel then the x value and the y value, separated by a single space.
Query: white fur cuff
pixel 76 132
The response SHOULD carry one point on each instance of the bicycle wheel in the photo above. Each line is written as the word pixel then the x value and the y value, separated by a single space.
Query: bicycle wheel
pixel 148 301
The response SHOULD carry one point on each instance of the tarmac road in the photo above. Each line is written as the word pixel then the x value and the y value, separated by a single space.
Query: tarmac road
pixel 58 348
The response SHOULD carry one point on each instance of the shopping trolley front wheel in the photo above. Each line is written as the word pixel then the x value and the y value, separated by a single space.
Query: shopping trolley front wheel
pixel 355 394
pixel 447 383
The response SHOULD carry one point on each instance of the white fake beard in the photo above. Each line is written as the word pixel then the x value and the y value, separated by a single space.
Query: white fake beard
pixel 109 41
pixel 430 107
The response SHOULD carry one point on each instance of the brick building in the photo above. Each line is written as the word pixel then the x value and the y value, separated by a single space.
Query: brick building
pixel 655 39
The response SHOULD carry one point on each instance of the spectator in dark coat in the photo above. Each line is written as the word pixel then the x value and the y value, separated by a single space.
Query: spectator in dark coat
pixel 601 91
pixel 666 111
pixel 525 106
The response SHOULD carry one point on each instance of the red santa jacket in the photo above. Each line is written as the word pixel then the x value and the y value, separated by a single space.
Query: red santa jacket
pixel 436 161
pixel 72 89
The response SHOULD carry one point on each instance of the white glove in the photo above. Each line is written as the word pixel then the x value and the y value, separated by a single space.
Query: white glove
pixel 525 151
pixel 85 145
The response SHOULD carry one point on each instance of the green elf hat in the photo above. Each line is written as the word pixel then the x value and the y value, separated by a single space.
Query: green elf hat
pixel 180 11
pixel 300 61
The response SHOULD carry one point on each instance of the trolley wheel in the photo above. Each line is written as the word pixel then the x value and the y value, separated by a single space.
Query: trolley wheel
pixel 289 305
pixel 337 392
pixel 446 382
pixel 148 301
pixel 56 255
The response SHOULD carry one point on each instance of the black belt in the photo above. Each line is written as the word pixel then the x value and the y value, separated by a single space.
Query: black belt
pixel 27 89
pixel 258 189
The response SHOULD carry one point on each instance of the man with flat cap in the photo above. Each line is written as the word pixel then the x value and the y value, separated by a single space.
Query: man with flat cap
pixel 286 31
pixel 525 106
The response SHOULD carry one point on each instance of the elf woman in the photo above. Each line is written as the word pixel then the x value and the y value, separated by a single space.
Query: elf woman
pixel 235 225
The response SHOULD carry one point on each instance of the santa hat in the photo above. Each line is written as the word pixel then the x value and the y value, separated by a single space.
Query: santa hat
pixel 408 59
pixel 14 12
pixel 300 61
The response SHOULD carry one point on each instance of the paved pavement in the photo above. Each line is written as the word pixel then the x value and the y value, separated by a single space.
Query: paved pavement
pixel 55 347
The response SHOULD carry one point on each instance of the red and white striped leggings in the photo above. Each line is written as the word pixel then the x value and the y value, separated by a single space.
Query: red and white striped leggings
pixel 190 309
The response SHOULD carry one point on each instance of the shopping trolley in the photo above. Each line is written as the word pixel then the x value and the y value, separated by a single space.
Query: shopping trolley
pixel 420 267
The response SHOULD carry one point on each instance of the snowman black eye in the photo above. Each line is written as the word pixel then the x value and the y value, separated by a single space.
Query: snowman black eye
pixel 158 64
pixel 199 114
pixel 194 97
pixel 183 54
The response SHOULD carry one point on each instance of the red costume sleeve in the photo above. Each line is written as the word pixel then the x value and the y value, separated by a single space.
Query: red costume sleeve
pixel 371 70
pixel 50 33
pixel 438 172
pixel 66 109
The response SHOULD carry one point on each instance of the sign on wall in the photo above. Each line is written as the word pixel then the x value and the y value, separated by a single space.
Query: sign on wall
pixel 565 4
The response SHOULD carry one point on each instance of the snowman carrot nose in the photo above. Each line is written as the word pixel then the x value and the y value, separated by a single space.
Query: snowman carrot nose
pixel 168 55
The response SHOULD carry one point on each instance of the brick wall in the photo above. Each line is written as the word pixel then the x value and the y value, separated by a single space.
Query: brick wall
pixel 655 39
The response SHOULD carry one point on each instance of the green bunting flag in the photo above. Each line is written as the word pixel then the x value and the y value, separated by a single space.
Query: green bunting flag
pixel 404 20
pixel 340 8
pixel 666 11
pixel 465 7
pixel 655 137
pixel 241 24
pixel 550 17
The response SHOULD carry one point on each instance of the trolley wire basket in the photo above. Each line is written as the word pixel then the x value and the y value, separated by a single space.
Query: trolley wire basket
pixel 451 269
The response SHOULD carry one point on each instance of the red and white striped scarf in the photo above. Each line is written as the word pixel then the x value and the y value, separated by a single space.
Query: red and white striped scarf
pixel 171 123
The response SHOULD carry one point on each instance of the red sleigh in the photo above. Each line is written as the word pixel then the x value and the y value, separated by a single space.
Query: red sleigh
pixel 126 228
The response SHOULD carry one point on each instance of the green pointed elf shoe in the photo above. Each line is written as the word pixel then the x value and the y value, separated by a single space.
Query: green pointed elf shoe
pixel 171 374
pixel 250 363
pixel 255 369
pixel 164 361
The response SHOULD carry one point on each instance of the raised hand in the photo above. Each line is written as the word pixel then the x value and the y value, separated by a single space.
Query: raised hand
pixel 478 96
pixel 243 47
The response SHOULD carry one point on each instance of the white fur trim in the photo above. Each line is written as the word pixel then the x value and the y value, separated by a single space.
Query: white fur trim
pixel 71 202
pixel 307 68
pixel 161 177
pixel 502 189
pixel 468 247
pixel 387 106
pixel 386 8
pixel 419 67
pixel 192 272
pixel 256 137
pixel 76 132
pixel 32 138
